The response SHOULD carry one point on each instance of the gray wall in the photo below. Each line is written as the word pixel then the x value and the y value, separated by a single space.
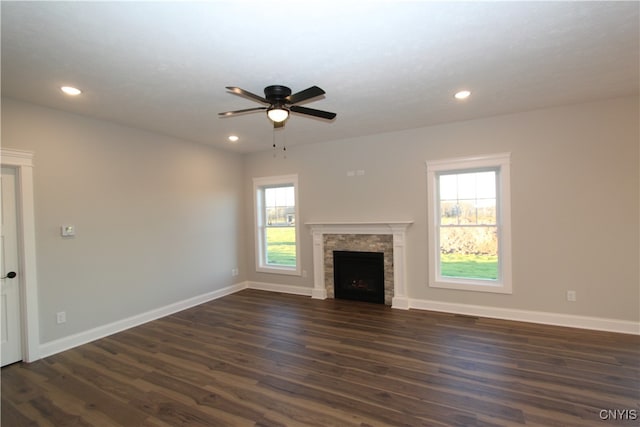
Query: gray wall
pixel 575 194
pixel 158 219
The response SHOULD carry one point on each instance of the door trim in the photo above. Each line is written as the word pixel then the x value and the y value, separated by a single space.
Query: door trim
pixel 22 162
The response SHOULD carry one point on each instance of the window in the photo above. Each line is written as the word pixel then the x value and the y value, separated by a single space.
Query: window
pixel 276 210
pixel 469 224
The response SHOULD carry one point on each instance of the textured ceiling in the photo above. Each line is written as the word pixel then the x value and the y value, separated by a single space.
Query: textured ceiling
pixel 163 66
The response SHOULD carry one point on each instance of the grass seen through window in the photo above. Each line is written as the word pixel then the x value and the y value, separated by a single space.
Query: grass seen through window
pixel 281 246
pixel 469 266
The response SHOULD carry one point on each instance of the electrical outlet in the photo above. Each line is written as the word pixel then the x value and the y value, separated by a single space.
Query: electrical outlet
pixel 571 296
pixel 234 272
pixel 61 317
pixel 304 273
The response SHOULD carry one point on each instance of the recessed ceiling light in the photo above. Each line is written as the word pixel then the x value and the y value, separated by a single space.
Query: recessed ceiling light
pixel 233 138
pixel 463 94
pixel 70 90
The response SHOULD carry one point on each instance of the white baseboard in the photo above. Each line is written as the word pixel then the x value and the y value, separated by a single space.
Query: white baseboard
pixel 556 319
pixel 66 343
pixel 285 289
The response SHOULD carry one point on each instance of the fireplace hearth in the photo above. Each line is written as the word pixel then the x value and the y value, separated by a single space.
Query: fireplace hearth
pixel 359 276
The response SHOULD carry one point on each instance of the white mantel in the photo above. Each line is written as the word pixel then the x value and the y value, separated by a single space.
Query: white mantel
pixel 396 228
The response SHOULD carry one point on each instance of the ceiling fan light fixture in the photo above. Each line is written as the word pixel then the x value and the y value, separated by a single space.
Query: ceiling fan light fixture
pixel 278 114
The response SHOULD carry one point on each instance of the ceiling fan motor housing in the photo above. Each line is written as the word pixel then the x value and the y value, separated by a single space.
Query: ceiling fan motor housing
pixel 276 94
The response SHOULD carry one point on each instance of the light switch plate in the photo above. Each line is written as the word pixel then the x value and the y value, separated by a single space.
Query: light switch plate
pixel 68 231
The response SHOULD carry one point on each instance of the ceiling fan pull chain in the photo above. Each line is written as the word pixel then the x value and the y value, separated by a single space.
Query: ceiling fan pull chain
pixel 274 143
pixel 284 144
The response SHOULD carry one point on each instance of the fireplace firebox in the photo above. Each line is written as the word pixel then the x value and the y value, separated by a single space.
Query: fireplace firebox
pixel 359 276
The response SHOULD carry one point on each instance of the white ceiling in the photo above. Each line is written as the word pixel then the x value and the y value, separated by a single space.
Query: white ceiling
pixel 385 65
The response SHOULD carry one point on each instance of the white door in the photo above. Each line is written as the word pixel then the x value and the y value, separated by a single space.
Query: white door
pixel 11 331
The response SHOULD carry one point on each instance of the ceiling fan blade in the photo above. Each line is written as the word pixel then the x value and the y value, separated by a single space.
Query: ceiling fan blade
pixel 247 94
pixel 246 110
pixel 303 95
pixel 313 112
pixel 277 125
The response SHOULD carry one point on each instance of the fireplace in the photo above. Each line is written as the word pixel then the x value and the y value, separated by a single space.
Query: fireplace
pixel 387 237
pixel 359 276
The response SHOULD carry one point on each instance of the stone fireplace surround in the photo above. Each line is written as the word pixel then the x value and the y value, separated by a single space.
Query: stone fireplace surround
pixel 360 235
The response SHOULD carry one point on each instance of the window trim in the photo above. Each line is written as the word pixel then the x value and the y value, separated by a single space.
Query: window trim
pixel 500 162
pixel 259 184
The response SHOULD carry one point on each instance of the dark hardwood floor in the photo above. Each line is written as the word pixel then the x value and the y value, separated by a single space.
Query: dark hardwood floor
pixel 265 359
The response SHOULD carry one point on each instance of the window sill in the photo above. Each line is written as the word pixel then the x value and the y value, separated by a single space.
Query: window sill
pixel 472 285
pixel 279 270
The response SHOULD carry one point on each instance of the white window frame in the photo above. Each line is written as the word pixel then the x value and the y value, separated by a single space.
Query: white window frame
pixel 500 162
pixel 259 185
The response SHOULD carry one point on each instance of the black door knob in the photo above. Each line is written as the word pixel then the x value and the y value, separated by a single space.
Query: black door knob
pixel 10 275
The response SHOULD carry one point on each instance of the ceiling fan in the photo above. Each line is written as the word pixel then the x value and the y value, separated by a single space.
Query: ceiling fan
pixel 280 102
